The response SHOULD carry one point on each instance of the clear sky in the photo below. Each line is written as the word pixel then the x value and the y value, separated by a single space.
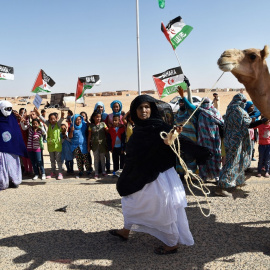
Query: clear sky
pixel 68 39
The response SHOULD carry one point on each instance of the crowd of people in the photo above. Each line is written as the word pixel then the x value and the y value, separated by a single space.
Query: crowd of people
pixel 218 148
pixel 230 139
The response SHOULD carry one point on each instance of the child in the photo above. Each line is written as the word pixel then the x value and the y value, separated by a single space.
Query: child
pixel 66 154
pixel 97 141
pixel 129 124
pixel 116 143
pixel 264 148
pixel 28 169
pixel 78 138
pixel 69 115
pixel 116 107
pixel 54 142
pixel 33 147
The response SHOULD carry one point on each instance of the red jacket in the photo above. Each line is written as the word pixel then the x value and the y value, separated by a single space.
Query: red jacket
pixel 113 134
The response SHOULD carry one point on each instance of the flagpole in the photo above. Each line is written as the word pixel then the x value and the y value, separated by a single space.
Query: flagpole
pixel 138 47
pixel 29 96
pixel 188 90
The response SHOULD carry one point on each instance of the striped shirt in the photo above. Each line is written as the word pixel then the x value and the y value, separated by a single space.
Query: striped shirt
pixel 33 143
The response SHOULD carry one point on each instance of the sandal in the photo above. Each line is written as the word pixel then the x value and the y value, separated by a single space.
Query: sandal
pixel 162 251
pixel 114 233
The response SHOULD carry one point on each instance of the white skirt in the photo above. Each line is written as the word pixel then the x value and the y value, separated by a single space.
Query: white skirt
pixel 159 209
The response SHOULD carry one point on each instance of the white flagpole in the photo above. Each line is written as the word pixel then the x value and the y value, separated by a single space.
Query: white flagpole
pixel 138 47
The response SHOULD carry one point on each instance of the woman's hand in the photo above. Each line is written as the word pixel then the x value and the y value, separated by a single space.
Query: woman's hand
pixel 180 91
pixel 179 129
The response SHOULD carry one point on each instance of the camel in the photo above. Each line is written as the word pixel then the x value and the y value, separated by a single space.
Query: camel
pixel 250 68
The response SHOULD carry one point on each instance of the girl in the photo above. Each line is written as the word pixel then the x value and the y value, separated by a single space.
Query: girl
pixel 66 154
pixel 28 169
pixel 116 106
pixel 78 138
pixel 97 141
pixel 101 108
pixel 33 147
pixel 54 142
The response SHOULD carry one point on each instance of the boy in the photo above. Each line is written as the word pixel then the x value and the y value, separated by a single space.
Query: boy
pixel 264 148
pixel 116 143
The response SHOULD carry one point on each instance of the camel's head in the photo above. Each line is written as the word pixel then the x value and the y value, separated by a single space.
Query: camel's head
pixel 245 65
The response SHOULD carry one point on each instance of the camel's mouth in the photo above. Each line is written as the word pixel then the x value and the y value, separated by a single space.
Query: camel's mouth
pixel 226 66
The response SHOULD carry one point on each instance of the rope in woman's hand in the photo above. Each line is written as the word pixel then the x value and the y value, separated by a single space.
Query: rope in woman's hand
pixel 170 139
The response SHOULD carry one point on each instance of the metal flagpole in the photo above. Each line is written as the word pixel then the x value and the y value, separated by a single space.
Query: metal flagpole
pixel 138 47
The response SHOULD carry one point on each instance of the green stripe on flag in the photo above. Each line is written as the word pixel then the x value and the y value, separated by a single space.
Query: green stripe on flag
pixel 40 89
pixel 173 89
pixel 180 36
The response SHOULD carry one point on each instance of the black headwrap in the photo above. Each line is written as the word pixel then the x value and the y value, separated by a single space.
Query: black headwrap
pixel 146 153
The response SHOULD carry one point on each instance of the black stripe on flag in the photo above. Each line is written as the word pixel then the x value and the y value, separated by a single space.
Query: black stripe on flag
pixel 89 79
pixel 47 79
pixel 173 21
pixel 169 73
pixel 6 69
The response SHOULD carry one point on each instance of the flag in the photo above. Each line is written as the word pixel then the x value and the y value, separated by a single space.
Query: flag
pixel 6 73
pixel 176 31
pixel 85 83
pixel 168 81
pixel 43 83
pixel 161 3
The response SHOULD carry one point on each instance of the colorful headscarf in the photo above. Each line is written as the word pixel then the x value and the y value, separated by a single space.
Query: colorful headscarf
pixel 120 110
pixel 103 115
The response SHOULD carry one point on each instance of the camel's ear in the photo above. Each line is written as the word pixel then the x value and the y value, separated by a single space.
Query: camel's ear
pixel 265 52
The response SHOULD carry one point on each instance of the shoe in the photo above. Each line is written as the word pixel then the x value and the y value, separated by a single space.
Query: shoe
pixel 52 175
pixel 60 176
pixel 114 233
pixel 89 172
pixel 162 251
pixel 259 175
pixel 222 192
pixel 267 175
pixel 113 173
pixel 12 185
pixel 43 176
pixel 254 159
pixel 104 174
pixel 96 177
pixel 35 177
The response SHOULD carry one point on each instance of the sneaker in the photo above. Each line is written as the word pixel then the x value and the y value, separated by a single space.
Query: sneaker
pixel 60 176
pixel 267 175
pixel 104 174
pixel 43 176
pixel 259 175
pixel 52 175
pixel 96 177
pixel 35 177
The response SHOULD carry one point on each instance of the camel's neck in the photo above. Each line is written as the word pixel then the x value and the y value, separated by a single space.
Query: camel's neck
pixel 260 86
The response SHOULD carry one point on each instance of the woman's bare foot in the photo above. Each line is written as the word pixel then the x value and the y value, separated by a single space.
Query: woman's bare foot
pixel 122 233
pixel 165 250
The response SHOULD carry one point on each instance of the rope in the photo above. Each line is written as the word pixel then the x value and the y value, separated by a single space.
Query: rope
pixel 203 99
pixel 170 138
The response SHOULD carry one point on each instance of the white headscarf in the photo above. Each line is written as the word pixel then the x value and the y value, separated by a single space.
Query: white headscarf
pixel 4 104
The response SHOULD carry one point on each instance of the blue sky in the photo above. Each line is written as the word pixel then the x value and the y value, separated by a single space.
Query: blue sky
pixel 68 39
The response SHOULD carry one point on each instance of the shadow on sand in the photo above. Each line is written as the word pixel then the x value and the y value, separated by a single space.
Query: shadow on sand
pixel 213 240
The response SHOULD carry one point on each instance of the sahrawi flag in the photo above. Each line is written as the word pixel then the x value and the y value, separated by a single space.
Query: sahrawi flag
pixel 43 83
pixel 176 31
pixel 168 81
pixel 85 83
pixel 6 73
